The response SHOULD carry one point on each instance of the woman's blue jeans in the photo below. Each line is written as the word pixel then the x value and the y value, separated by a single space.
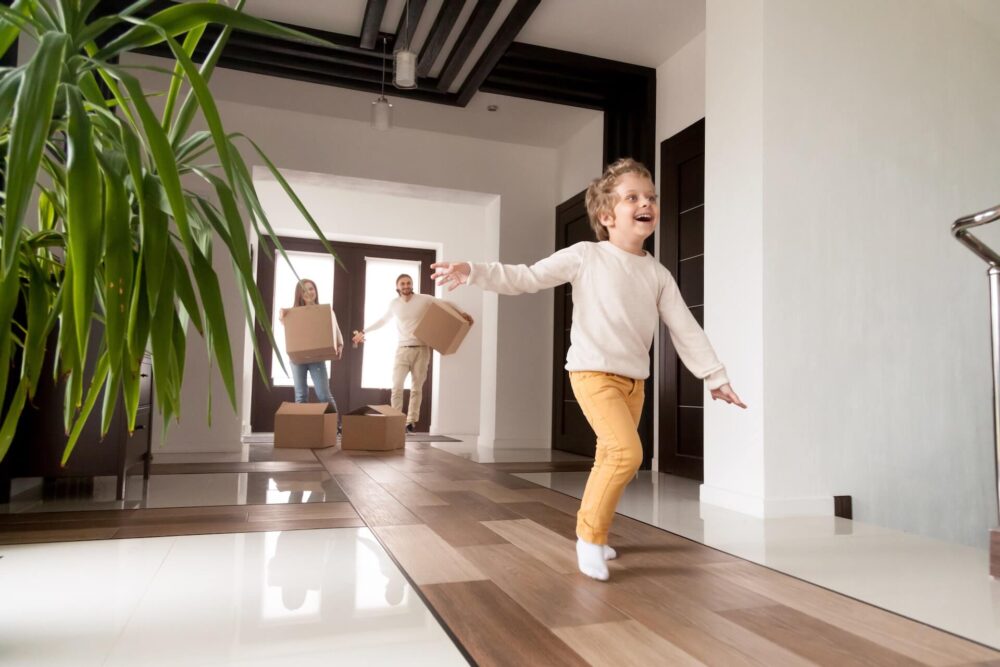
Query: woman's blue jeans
pixel 321 382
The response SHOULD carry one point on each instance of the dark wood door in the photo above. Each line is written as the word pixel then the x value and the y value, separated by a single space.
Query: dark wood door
pixel 349 304
pixel 570 430
pixel 682 251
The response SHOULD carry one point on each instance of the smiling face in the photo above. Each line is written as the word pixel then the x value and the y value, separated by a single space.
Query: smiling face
pixel 404 286
pixel 309 292
pixel 635 214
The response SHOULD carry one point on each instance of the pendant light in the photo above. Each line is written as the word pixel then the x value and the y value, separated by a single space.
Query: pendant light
pixel 381 108
pixel 405 60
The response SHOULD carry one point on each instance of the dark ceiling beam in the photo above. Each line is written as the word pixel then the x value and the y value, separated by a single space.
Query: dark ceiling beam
pixel 473 30
pixel 406 28
pixel 242 63
pixel 444 23
pixel 503 38
pixel 374 11
pixel 547 91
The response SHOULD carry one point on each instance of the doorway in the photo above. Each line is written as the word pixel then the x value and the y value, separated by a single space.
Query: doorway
pixel 682 251
pixel 360 287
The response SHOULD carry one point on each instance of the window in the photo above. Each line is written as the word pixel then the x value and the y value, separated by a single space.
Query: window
pixel 380 345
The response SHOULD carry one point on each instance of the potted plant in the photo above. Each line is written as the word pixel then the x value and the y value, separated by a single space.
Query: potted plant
pixel 115 236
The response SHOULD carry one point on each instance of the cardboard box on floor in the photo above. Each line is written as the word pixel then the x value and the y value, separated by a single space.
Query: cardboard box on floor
pixel 305 425
pixel 442 327
pixel 310 333
pixel 374 427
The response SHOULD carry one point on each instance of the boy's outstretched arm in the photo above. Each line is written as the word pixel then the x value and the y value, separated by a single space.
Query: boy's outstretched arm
pixel 451 274
pixel 556 269
pixel 726 393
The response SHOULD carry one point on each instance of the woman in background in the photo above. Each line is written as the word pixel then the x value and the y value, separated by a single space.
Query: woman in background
pixel 306 295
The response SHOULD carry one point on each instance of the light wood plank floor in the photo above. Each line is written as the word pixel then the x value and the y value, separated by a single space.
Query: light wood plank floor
pixel 494 556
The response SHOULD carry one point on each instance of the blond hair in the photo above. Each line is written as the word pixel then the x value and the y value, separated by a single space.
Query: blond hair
pixel 601 198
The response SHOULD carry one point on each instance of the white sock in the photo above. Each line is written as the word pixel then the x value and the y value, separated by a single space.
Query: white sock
pixel 590 558
pixel 609 553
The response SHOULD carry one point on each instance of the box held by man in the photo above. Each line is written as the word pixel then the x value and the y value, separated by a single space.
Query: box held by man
pixel 442 327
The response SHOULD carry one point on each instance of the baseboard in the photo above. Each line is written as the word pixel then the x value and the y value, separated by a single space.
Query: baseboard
pixel 995 552
pixel 521 443
pixel 766 508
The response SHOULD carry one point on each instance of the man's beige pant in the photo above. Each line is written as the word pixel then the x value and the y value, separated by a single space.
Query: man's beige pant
pixel 413 361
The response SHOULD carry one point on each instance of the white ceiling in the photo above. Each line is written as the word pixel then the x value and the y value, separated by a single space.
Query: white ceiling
pixel 641 32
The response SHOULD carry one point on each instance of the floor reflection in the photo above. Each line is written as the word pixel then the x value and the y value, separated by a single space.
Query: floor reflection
pixel 183 490
pixel 330 596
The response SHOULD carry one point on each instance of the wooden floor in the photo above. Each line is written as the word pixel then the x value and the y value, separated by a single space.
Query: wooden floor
pixel 494 556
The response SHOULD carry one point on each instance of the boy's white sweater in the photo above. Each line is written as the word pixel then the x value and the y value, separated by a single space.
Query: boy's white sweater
pixel 617 299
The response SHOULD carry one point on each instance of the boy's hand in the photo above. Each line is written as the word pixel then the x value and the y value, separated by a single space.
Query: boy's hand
pixel 468 318
pixel 359 337
pixel 726 393
pixel 340 351
pixel 451 274
pixel 281 314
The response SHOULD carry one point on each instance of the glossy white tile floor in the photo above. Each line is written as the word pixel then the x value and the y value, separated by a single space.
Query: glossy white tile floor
pixel 942 584
pixel 304 597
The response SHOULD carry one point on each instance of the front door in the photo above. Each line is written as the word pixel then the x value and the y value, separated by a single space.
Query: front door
pixel 359 286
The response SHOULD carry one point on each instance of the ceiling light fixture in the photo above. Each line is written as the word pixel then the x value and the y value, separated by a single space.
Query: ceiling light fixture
pixel 381 109
pixel 405 60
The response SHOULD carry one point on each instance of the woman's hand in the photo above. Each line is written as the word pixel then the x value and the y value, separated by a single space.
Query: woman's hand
pixel 359 337
pixel 726 393
pixel 340 351
pixel 281 315
pixel 451 274
pixel 468 318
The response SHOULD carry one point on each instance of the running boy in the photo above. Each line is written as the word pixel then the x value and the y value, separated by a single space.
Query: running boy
pixel 619 292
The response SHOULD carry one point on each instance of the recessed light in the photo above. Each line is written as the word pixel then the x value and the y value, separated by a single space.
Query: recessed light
pixel 493 107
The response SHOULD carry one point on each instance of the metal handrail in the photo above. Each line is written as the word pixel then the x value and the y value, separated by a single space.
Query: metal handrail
pixel 960 229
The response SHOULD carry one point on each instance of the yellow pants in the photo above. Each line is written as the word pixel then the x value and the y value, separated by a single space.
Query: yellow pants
pixel 612 405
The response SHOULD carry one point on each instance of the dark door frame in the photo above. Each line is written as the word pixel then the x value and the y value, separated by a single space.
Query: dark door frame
pixel 349 282
pixel 680 444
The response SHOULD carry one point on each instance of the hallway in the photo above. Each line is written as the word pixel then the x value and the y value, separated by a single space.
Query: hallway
pixel 491 554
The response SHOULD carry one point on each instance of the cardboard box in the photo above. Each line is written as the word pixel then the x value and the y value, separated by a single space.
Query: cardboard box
pixel 442 327
pixel 374 427
pixel 312 334
pixel 305 425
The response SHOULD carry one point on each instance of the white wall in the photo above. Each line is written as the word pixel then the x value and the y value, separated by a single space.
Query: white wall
pixel 874 125
pixel 454 224
pixel 680 91
pixel 522 176
pixel 734 293
pixel 578 161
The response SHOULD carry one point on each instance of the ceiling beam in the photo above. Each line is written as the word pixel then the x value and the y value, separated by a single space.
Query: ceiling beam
pixel 504 37
pixel 444 23
pixel 374 11
pixel 406 28
pixel 473 30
